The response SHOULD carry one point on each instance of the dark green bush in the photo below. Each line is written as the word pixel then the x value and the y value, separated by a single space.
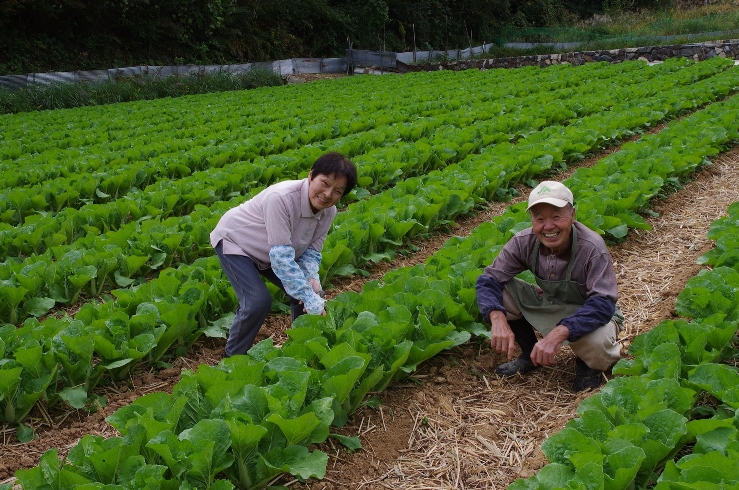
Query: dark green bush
pixel 68 95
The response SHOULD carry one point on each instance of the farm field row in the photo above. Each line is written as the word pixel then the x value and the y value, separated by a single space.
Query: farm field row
pixel 683 148
pixel 676 152
pixel 434 202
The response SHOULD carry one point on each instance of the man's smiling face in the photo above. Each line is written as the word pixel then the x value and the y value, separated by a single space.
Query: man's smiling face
pixel 553 226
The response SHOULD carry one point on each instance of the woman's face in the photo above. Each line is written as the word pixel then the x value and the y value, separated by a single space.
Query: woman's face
pixel 325 191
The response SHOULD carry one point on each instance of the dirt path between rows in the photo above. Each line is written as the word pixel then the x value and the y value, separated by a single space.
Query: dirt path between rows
pixel 454 424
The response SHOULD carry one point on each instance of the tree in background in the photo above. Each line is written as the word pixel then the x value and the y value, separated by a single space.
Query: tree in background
pixel 62 34
pixel 50 35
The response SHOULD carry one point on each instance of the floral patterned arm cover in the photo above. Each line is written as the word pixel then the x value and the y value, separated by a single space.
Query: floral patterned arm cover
pixel 293 278
pixel 310 262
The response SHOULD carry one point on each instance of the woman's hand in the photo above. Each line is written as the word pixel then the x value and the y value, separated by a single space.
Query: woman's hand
pixel 318 290
pixel 315 285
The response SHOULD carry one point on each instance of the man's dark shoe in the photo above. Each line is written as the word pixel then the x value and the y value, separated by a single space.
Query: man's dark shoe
pixel 520 365
pixel 586 378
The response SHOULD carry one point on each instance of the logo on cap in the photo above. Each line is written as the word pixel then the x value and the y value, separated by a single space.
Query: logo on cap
pixel 551 192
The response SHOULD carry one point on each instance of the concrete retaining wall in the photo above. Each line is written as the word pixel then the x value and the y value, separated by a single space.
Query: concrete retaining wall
pixel 396 62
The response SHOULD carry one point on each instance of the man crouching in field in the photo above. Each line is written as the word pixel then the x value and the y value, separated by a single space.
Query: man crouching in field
pixel 573 301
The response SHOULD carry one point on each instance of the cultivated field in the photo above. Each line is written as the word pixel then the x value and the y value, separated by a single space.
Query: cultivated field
pixel 116 306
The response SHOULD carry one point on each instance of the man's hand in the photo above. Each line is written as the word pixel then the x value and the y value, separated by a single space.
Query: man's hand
pixel 545 350
pixel 502 338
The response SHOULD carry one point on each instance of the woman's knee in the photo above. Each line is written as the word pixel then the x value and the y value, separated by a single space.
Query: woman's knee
pixel 256 303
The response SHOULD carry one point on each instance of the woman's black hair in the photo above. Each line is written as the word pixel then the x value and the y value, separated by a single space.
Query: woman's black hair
pixel 335 164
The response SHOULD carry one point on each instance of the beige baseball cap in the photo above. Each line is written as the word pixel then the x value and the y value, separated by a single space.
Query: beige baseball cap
pixel 552 192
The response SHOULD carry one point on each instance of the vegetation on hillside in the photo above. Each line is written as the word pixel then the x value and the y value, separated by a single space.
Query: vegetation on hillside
pixel 625 28
pixel 65 35
pixel 623 23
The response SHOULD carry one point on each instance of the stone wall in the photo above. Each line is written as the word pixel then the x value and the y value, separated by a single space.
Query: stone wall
pixel 698 52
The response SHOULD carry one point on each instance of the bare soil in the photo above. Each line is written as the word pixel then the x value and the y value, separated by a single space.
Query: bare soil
pixel 311 77
pixel 454 423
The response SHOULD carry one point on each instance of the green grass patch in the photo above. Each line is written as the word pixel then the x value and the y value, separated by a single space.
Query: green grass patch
pixel 624 29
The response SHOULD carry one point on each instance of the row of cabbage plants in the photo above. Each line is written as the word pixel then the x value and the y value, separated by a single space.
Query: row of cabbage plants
pixel 253 418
